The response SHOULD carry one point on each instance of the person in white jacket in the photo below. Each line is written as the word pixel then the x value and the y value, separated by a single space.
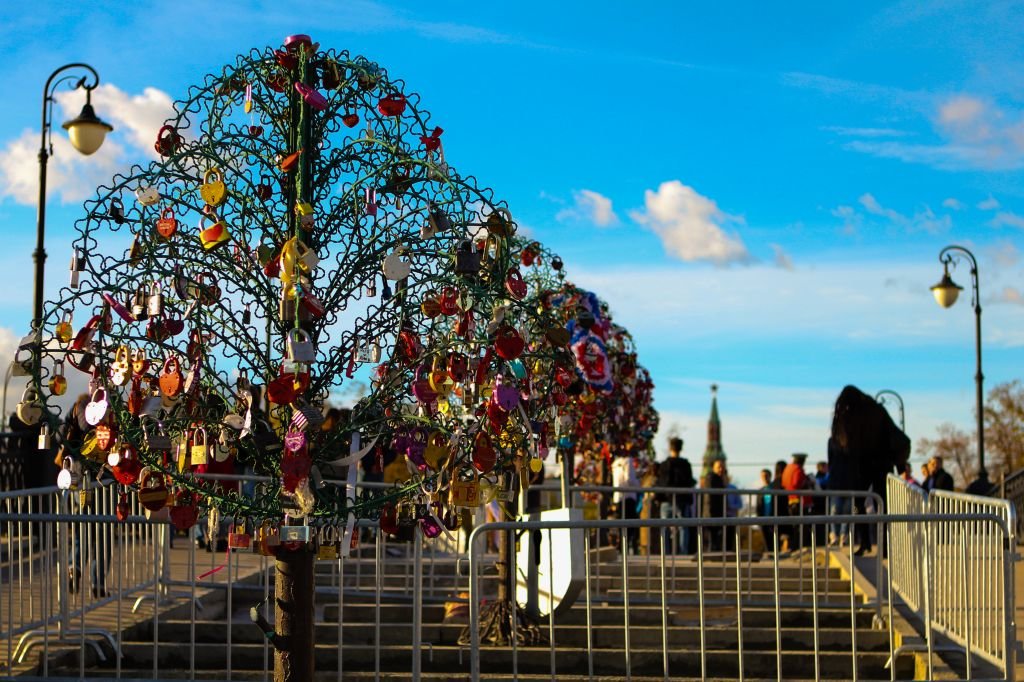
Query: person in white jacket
pixel 624 476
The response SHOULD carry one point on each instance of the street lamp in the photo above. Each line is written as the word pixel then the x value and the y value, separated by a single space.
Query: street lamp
pixel 946 293
pixel 880 399
pixel 86 132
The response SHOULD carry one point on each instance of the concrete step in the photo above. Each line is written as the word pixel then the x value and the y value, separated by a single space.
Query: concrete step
pixel 367 675
pixel 612 615
pixel 455 660
pixel 717 637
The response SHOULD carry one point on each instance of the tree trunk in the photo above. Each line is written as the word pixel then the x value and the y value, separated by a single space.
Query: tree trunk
pixel 294 658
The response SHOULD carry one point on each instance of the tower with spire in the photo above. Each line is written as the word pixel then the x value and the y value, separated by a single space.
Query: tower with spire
pixel 714 449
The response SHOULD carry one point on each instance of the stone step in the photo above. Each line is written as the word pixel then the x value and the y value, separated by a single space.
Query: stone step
pixel 455 660
pixel 426 676
pixel 603 636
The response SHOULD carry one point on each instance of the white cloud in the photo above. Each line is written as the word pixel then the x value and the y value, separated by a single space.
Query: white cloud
pixel 989 204
pixel 690 225
pixel 922 219
pixel 590 206
pixel 1006 218
pixel 71 176
pixel 953 204
pixel 851 219
pixel 866 132
pixel 782 259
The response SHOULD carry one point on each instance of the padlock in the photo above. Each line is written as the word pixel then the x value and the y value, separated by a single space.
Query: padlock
pixel 147 196
pixel 63 330
pixel 299 347
pixel 70 475
pixel 467 259
pixel 29 409
pixel 167 141
pixel 77 267
pixel 438 220
pixel 327 548
pixel 371 201
pixel 155 302
pixel 238 538
pixel 304 210
pixel 139 309
pixel 155 438
pixel 294 533
pixel 58 384
pixel 368 352
pixel 106 435
pixel 116 211
pixel 213 189
pixel 44 437
pixel 153 493
pixel 199 451
pixel 167 224
pixel 86 493
pixel 120 368
pixel 393 267
pixel 214 236
pixel 170 377
pixel 465 488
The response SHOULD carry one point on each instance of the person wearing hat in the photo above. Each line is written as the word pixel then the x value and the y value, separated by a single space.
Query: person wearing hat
pixel 794 478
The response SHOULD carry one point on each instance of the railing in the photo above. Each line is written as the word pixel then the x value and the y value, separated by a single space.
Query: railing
pixel 958 578
pixel 16 449
pixel 726 607
pixel 1011 489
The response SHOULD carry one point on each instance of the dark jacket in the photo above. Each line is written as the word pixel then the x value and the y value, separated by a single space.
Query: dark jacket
pixel 843 472
pixel 713 506
pixel 940 480
pixel 675 472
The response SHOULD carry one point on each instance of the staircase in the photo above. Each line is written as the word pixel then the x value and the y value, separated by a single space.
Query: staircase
pixel 389 624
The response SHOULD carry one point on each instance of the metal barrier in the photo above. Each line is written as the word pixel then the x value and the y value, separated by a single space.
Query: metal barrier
pixel 728 606
pixel 671 596
pixel 958 578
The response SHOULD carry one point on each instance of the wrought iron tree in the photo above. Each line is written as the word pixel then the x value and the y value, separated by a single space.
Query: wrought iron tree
pixel 300 228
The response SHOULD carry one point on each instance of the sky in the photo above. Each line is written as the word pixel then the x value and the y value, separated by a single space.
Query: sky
pixel 759 190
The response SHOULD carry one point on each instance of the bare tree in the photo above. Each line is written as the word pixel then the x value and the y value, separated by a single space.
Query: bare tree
pixel 1004 426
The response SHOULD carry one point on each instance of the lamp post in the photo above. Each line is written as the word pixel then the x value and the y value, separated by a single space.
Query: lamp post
pixel 86 132
pixel 946 293
pixel 880 399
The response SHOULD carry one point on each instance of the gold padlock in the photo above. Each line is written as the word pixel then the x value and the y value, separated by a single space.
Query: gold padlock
pixel 213 189
pixel 465 492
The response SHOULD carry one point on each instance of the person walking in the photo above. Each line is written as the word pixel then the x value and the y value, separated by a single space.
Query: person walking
pixel 795 479
pixel 843 474
pixel 714 503
pixel 676 472
pixel 624 476
pixel 780 506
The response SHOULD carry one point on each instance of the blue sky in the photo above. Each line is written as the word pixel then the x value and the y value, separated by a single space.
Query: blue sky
pixel 760 190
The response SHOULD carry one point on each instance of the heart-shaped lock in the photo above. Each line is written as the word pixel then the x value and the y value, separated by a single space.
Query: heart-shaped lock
pixel 421 388
pixel 436 453
pixel 529 255
pixel 127 469
pixel 184 511
pixel 508 343
pixel 430 306
pixel 392 105
pixel 281 391
pixel 515 284
pixel 500 223
pixel 393 267
pixel 167 224
pixel 484 455
pixel 557 336
pixel 147 196
pixel 167 141
pixel 170 377
pixel 140 364
pixel 496 417
pixel 96 408
pixel 214 236
pixel 440 381
pixel 213 190
pixel 505 394
pixel 458 366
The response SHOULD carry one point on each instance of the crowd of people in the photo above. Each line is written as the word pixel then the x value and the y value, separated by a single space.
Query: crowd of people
pixel 786 491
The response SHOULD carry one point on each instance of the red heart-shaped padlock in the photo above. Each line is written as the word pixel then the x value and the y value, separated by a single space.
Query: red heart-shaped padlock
pixel 508 343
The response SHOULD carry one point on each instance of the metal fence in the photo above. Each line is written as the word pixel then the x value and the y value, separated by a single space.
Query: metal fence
pixel 958 577
pixel 736 606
